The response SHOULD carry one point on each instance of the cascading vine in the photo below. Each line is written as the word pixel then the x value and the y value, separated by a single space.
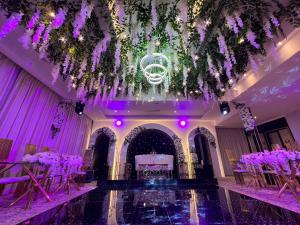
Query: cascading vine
pixel 96 46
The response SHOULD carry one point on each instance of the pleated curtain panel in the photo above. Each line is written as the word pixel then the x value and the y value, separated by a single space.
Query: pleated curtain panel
pixel 27 110
pixel 233 144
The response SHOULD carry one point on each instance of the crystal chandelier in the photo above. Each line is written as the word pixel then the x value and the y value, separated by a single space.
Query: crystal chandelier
pixel 156 67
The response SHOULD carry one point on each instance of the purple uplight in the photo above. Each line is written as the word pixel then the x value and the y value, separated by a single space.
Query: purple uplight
pixel 118 123
pixel 182 123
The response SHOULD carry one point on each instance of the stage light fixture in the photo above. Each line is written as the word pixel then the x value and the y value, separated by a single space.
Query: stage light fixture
pixel 224 108
pixel 119 123
pixel 182 123
pixel 79 108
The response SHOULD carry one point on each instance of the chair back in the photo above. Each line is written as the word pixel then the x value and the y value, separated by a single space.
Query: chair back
pixel 30 149
pixel 5 148
pixel 45 149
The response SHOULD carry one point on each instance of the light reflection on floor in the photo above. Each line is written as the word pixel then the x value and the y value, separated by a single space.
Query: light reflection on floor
pixel 167 206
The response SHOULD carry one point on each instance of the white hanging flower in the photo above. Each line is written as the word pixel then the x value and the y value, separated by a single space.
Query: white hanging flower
pixel 211 68
pixel 10 24
pixel 82 68
pixel 154 18
pixel 267 29
pixel 34 19
pixel 251 37
pixel 81 16
pixel 117 56
pixel 55 73
pixel 223 47
pixel 239 20
pixel 59 18
pixel 43 50
pixel 275 21
pixel 185 75
pixel 182 6
pixel 186 37
pixel 201 29
pixel 120 11
pixel 66 63
pixel 232 25
pixel 47 33
pixel 25 39
pixel 170 31
pixel 37 36
pixel 100 48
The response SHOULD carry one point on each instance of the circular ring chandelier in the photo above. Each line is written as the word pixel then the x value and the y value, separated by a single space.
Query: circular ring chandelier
pixel 155 67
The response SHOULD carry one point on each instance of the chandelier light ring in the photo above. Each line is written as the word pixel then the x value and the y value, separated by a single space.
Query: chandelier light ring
pixel 155 67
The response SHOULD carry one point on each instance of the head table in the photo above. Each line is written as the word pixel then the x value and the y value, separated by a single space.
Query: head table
pixel 154 166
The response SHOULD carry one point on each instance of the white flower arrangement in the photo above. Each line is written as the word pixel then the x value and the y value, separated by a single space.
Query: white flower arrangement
pixel 59 164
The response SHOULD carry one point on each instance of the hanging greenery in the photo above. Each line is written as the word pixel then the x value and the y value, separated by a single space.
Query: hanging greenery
pixel 96 46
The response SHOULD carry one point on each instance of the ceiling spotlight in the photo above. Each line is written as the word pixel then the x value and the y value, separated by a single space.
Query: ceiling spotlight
pixel 224 108
pixel 157 43
pixel 279 43
pixel 230 81
pixel 74 85
pixel 79 108
pixel 223 89
pixel 196 57
pixel 118 123
pixel 182 123
pixel 245 75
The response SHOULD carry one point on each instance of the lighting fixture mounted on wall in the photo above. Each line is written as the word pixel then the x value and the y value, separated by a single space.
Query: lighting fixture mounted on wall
pixel 118 123
pixel 224 108
pixel 182 123
pixel 79 108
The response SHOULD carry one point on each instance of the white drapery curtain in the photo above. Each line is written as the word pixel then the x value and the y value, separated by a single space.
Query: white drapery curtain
pixel 232 143
pixel 27 111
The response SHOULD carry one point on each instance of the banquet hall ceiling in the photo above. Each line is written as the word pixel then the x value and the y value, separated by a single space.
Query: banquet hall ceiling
pixel 279 92
pixel 113 48
pixel 200 72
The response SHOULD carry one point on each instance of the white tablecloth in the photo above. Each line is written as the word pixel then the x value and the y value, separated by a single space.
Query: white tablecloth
pixel 151 160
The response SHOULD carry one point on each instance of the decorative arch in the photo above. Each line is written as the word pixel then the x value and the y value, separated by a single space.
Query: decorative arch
pixel 202 130
pixel 112 141
pixel 211 142
pixel 183 170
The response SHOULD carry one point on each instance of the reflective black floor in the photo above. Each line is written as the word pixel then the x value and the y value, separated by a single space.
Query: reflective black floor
pixel 166 206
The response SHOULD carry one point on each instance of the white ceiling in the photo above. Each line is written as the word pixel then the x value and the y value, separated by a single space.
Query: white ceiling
pixel 274 96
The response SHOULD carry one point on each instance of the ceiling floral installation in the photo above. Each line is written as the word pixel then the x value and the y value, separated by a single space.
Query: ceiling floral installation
pixel 97 46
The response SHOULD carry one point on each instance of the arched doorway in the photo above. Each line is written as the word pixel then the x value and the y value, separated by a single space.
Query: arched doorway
pixel 201 143
pixel 149 141
pixel 103 145
pixel 100 157
pixel 182 166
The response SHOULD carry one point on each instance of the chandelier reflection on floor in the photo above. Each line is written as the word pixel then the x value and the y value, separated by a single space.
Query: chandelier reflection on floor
pixel 156 67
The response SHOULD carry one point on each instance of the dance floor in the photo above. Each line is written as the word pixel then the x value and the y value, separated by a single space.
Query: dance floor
pixel 172 205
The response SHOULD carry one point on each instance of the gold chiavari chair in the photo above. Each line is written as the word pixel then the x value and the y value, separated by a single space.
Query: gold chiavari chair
pixel 256 178
pixel 30 149
pixel 45 149
pixel 5 148
pixel 289 179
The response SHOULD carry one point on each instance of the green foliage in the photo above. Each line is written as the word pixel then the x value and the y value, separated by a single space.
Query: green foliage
pixel 138 19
